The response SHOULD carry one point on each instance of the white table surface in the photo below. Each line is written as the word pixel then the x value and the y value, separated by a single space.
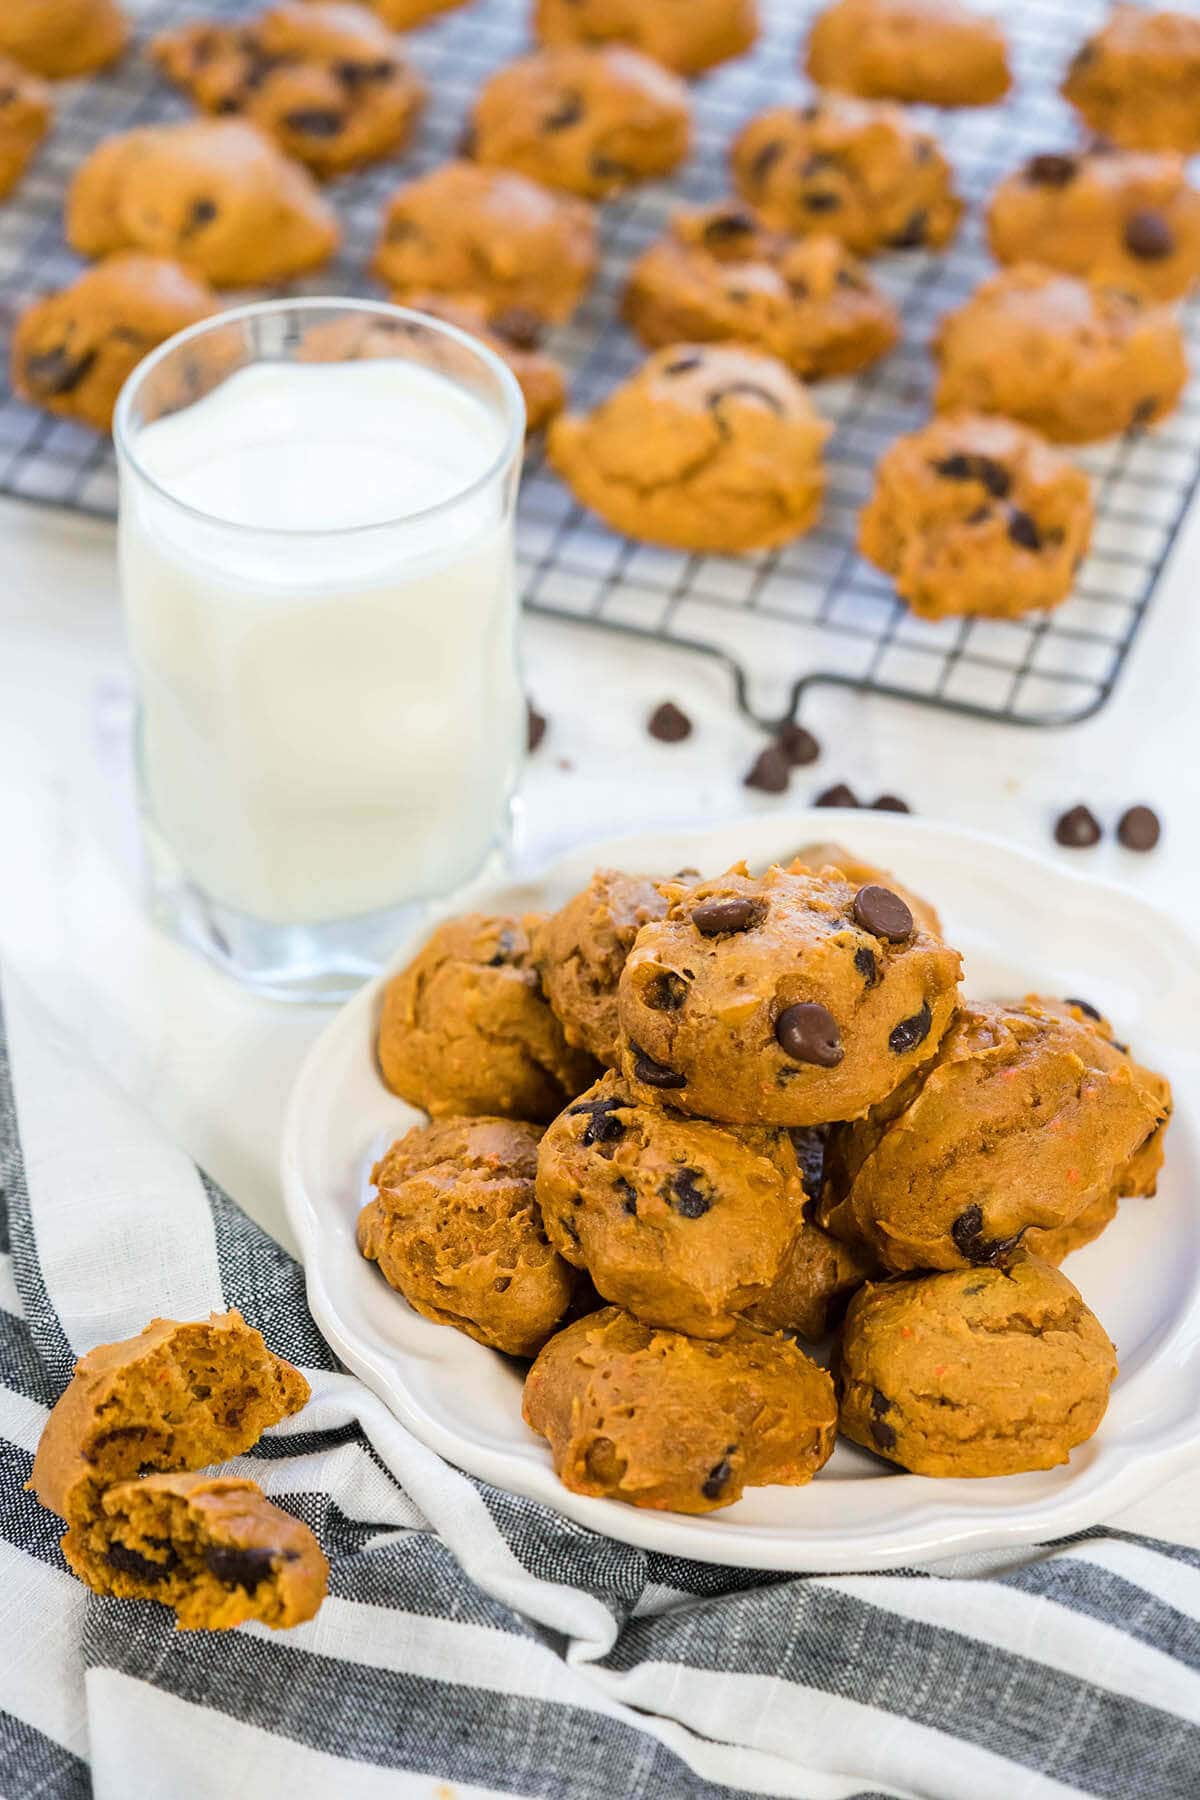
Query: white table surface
pixel 214 1065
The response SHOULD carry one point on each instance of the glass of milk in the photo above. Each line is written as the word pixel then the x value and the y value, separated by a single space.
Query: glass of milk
pixel 316 551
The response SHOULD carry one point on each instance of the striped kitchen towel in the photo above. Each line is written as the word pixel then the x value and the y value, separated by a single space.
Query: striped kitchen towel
pixel 476 1644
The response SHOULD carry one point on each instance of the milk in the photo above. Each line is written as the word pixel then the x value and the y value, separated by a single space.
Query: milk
pixel 330 724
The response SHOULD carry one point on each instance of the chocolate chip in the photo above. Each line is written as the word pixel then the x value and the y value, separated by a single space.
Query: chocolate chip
pixel 686 1196
pixel 850 278
pixel 910 1032
pixel 505 950
pixel 315 121
pixel 1138 828
pixel 798 745
pixel 132 1562
pixel 764 160
pixel 202 213
pixel 669 723
pixel 770 771
pixel 716 918
pixel 568 112
pixel 356 75
pixel 56 371
pixel 969 1241
pixel 666 993
pixel 890 803
pixel 602 1127
pixel 821 201
pixel 1051 169
pixel 517 325
pixel 1078 829
pixel 1023 530
pixel 864 962
pixel 243 1568
pixel 654 1074
pixel 628 1195
pixel 880 1403
pixel 535 726
pixel 838 795
pixel 717 1479
pixel 1148 236
pixel 1142 413
pixel 682 364
pixel 809 1033
pixel 1085 1007
pixel 883 1434
pixel 809 1144
pixel 962 466
pixel 883 913
pixel 726 227
pixel 913 234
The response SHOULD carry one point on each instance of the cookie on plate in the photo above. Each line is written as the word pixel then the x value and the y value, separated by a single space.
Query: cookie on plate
pixel 592 121
pixel 455 1227
pixel 977 515
pixel 786 999
pixel 1024 1116
pixel 26 111
pixel 1125 218
pixel 810 1293
pixel 677 1423
pixel 1077 360
pixel 493 233
pixel 683 1223
pixel 721 276
pixel 688 37
pixel 214 193
pixel 1137 80
pixel 580 950
pixel 72 351
pixel 925 52
pixel 327 81
pixel 991 1372
pixel 852 169
pixel 704 448
pixel 58 38
pixel 211 1546
pixel 465 1029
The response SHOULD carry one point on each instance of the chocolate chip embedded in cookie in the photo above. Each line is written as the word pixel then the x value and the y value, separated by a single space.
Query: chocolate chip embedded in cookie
pixel 991 1372
pixel 211 1546
pixel 858 171
pixel 680 1424
pixel 328 82
pixel 455 1228
pixel 1074 359
pixel 720 276
pixel 925 52
pixel 25 114
pixel 72 351
pixel 67 37
pixel 790 1011
pixel 688 38
pixel 682 1222
pixel 1137 80
pixel 580 950
pixel 1024 1116
pixel 592 121
pixel 976 515
pixel 1125 219
pixel 465 1029
pixel 705 448
pixel 492 233
pixel 216 194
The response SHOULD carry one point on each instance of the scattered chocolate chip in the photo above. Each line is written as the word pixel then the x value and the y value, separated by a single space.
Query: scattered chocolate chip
pixel 244 1568
pixel 517 325
pixel 890 803
pixel 56 371
pixel 535 726
pixel 809 1033
pixel 602 1127
pixel 568 112
pixel 1078 829
pixel 1148 236
pixel 682 364
pixel 910 1032
pixel 1051 169
pixel 628 1195
pixel 1085 1007
pixel 913 234
pixel 686 1196
pixel 868 968
pixel 764 160
pixel 717 1479
pixel 883 1434
pixel 809 1144
pixel 883 913
pixel 1023 530
pixel 654 1074
pixel 838 795
pixel 961 466
pixel 969 1241
pixel 798 745
pixel 770 772
pixel 1138 828
pixel 144 1568
pixel 315 121
pixel 726 227
pixel 713 918
pixel 666 993
pixel 669 723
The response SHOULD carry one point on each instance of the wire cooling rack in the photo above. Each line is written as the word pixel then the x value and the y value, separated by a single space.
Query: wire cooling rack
pixel 813 612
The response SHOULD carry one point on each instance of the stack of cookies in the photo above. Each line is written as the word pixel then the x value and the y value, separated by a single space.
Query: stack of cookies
pixel 681 1124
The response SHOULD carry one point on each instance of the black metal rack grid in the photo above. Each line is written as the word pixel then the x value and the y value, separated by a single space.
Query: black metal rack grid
pixel 782 622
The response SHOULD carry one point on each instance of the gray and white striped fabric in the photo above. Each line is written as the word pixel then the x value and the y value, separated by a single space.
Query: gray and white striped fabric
pixel 476 1644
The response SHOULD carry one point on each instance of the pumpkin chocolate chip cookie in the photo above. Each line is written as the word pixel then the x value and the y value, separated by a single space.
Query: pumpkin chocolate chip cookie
pixel 851 169
pixel 923 52
pixel 455 1228
pixel 579 953
pixel 677 1423
pixel 59 38
pixel 707 448
pixel 721 276
pixel 810 1293
pixel 977 515
pixel 1127 219
pixel 1137 80
pixel 592 121
pixel 689 37
pixel 1026 1116
pixel 683 1223
pixel 25 114
pixel 1074 359
pixel 992 1372
pixel 465 1029
pixel 787 999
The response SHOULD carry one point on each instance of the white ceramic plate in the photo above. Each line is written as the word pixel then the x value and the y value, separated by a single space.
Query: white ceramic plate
pixel 1023 925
